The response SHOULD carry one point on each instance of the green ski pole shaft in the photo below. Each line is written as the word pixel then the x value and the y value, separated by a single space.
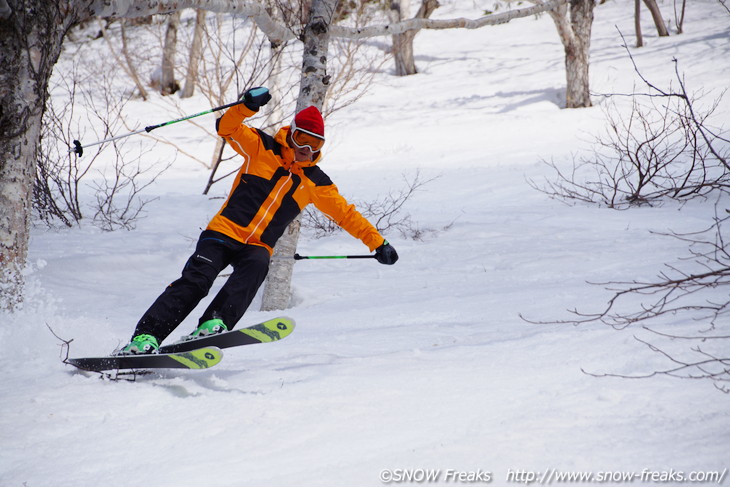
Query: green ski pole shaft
pixel 79 149
pixel 315 257
pixel 150 128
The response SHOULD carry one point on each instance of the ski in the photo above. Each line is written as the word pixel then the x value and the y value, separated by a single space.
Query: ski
pixel 196 358
pixel 268 331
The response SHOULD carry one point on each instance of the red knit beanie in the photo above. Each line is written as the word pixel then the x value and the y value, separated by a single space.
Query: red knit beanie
pixel 311 120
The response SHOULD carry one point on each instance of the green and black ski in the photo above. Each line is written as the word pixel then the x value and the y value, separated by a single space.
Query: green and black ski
pixel 198 358
pixel 269 331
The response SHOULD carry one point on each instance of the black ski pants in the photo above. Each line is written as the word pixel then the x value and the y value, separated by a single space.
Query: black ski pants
pixel 213 253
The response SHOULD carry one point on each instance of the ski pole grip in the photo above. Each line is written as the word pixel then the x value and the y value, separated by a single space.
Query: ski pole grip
pixel 78 149
pixel 258 91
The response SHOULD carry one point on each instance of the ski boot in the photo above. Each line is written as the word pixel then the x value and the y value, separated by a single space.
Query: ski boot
pixel 207 328
pixel 141 344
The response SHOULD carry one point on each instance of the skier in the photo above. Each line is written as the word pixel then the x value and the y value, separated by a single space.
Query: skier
pixel 278 178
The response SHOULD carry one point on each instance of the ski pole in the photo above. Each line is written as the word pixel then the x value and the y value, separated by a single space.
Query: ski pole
pixel 306 257
pixel 79 149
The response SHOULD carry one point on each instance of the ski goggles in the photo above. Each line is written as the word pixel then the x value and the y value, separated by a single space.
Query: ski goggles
pixel 304 138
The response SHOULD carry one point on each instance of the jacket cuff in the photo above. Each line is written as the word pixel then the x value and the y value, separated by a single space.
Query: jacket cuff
pixel 373 242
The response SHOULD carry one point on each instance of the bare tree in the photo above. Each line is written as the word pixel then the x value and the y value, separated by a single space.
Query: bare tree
pixel 56 185
pixel 665 149
pixel 387 212
pixel 196 49
pixel 637 24
pixel 119 201
pixel 403 43
pixel 691 295
pixel 679 16
pixel 669 150
pixel 312 91
pixel 31 32
pixel 652 155
pixel 62 176
pixel 574 22
pixel 656 15
pixel 125 62
pixel 168 83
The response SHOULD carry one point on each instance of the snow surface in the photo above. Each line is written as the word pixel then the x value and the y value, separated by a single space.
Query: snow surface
pixel 425 364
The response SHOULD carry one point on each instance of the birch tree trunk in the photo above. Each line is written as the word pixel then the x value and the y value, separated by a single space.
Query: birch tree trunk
pixel 405 63
pixel 574 22
pixel 637 23
pixel 168 85
pixel 312 91
pixel 196 48
pixel 402 49
pixel 656 15
pixel 31 32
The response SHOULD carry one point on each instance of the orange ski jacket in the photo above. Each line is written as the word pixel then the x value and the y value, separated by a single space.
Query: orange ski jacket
pixel 271 188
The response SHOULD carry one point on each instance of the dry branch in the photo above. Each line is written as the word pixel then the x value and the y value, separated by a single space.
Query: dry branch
pixel 441 24
pixel 279 33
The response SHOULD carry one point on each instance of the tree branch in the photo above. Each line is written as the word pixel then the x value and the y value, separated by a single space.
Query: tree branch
pixel 278 33
pixel 275 31
pixel 439 24
pixel 710 367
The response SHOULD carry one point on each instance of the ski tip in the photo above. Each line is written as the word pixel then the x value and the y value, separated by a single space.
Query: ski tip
pixel 283 324
pixel 270 330
pixel 287 319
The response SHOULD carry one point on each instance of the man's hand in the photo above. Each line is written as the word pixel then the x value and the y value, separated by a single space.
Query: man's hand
pixel 255 98
pixel 386 254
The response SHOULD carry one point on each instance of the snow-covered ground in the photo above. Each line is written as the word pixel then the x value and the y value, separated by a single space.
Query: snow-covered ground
pixel 422 365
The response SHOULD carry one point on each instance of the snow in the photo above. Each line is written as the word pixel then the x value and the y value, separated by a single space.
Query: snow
pixel 422 365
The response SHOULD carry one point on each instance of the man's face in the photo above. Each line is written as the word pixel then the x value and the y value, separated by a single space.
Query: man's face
pixel 302 154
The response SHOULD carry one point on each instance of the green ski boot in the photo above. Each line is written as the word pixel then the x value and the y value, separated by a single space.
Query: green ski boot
pixel 141 344
pixel 210 327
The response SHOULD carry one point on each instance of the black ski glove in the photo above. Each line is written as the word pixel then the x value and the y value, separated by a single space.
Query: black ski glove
pixel 386 254
pixel 255 98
